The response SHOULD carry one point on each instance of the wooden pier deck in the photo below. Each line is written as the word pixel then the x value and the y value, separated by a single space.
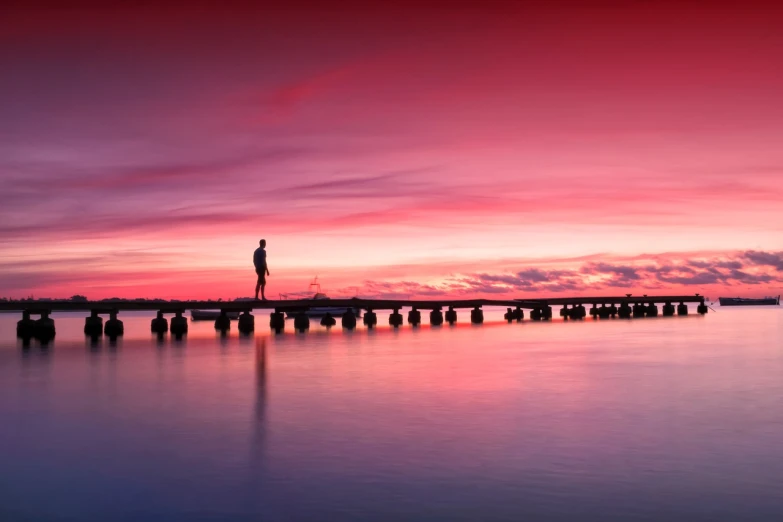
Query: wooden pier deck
pixel 106 307
pixel 602 307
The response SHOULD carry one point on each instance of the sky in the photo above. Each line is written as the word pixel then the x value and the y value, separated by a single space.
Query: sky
pixel 412 149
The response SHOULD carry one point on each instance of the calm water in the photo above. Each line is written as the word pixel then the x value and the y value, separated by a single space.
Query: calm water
pixel 651 419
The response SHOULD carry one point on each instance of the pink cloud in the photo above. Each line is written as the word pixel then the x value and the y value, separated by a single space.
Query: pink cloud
pixel 406 135
pixel 683 273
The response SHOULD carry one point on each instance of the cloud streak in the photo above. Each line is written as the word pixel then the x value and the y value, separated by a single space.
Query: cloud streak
pixel 377 140
pixel 682 273
pixel 602 278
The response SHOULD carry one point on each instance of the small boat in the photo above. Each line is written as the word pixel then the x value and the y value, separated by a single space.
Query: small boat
pixel 320 311
pixel 742 301
pixel 210 315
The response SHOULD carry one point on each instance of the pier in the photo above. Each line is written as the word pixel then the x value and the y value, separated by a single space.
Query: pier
pixel 572 308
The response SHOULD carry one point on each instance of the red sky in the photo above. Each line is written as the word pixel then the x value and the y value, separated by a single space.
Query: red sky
pixel 392 149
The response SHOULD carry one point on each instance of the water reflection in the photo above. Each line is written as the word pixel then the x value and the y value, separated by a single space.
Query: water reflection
pixel 94 342
pixel 260 402
pixel 257 492
pixel 605 420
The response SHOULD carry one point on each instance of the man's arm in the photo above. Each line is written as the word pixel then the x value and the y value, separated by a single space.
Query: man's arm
pixel 266 267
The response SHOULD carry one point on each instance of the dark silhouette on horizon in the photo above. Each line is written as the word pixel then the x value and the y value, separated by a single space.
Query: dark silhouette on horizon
pixel 262 270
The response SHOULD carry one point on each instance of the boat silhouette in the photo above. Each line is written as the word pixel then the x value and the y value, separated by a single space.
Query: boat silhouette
pixel 320 311
pixel 211 315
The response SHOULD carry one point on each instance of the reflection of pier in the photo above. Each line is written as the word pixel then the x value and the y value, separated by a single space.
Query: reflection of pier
pixel 573 308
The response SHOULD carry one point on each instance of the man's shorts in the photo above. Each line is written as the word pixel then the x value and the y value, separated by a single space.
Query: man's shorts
pixel 261 276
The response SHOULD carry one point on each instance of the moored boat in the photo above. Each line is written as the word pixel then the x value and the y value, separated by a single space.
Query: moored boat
pixel 742 301
pixel 210 315
pixel 320 311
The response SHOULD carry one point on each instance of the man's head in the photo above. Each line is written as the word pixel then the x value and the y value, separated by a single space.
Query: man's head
pixel 262 243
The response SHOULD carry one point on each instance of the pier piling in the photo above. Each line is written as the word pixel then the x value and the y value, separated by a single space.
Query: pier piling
pixel 436 317
pixel 277 321
pixel 26 327
pixel 477 315
pixel 223 322
pixel 114 327
pixel 638 311
pixel 451 315
pixel 93 324
pixel 414 317
pixel 302 322
pixel 159 325
pixel 328 321
pixel 395 318
pixel 349 319
pixel 370 319
pixel 246 323
pixel 179 324
pixel 44 329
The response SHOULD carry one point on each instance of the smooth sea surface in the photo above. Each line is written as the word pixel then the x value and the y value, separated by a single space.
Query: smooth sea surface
pixel 670 419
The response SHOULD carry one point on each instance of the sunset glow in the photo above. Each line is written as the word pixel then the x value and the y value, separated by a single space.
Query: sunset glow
pixel 398 150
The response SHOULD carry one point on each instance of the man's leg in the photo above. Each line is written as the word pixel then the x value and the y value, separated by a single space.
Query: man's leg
pixel 258 285
pixel 263 285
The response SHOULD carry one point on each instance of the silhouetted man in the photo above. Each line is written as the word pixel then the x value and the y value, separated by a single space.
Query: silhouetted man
pixel 259 260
